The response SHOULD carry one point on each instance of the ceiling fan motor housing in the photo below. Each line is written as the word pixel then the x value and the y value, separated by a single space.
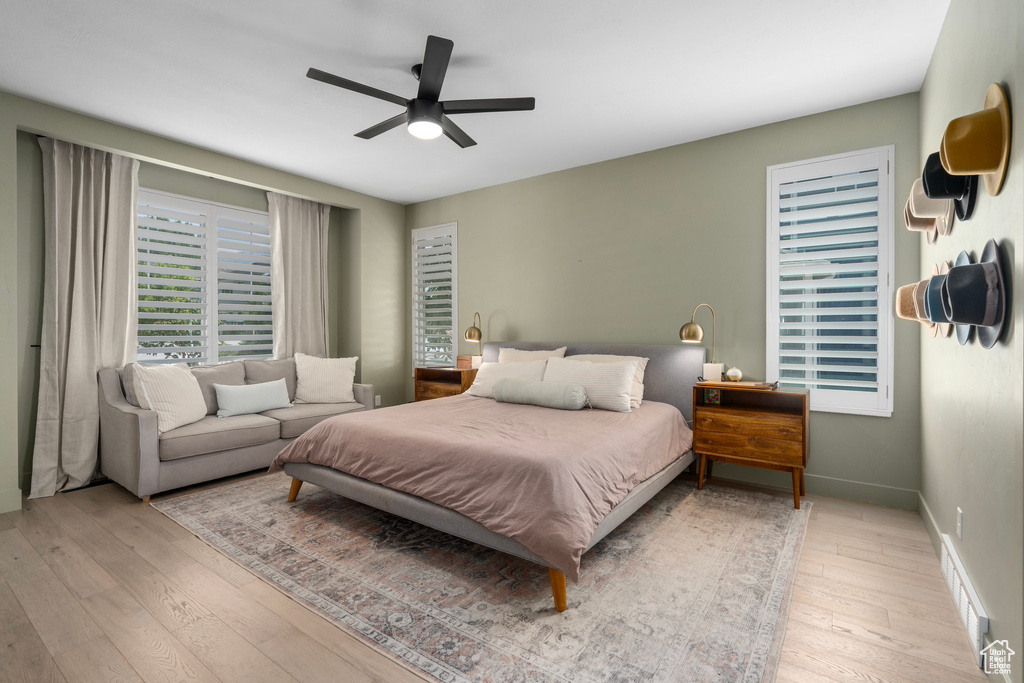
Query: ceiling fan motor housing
pixel 425 110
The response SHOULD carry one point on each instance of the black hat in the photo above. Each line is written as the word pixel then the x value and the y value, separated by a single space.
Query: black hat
pixel 938 184
pixel 963 332
pixel 974 294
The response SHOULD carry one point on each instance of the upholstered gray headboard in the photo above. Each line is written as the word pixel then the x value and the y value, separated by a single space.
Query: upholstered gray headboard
pixel 669 378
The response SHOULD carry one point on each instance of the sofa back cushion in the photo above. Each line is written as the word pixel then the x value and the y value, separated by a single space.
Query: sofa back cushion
pixel 259 371
pixel 228 374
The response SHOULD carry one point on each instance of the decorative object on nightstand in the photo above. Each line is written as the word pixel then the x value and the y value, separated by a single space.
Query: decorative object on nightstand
pixel 734 375
pixel 475 335
pixel 441 382
pixel 751 425
pixel 692 333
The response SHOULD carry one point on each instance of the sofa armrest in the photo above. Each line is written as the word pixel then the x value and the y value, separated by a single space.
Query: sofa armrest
pixel 129 448
pixel 364 395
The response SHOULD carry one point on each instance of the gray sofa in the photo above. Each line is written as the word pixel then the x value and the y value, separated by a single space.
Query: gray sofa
pixel 134 454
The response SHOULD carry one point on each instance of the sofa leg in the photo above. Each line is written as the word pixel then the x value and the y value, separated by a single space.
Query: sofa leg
pixel 146 499
pixel 296 485
pixel 558 589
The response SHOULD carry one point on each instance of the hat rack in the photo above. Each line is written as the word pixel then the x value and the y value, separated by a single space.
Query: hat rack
pixel 966 296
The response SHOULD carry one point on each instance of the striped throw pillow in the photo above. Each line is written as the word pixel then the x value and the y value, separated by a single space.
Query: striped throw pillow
pixel 608 385
pixel 172 392
pixel 637 393
pixel 324 380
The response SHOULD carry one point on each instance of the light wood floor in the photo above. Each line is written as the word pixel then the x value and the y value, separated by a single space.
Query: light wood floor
pixel 95 586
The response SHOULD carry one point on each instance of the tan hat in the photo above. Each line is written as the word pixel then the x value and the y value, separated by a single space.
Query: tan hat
pixel 979 143
pixel 915 224
pixel 942 211
pixel 919 291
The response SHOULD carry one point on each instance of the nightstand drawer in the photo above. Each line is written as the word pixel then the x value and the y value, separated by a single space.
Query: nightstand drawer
pixel 772 425
pixel 780 451
pixel 428 390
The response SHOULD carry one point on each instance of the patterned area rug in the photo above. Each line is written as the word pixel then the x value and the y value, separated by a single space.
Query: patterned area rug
pixel 693 587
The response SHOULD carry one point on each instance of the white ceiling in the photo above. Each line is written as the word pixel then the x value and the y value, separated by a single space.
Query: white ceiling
pixel 611 77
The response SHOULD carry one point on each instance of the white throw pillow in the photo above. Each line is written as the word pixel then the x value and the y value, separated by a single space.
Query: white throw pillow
pixel 520 356
pixel 489 373
pixel 637 392
pixel 608 385
pixel 246 399
pixel 324 380
pixel 172 392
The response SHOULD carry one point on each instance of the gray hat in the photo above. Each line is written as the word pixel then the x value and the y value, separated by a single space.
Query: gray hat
pixel 974 294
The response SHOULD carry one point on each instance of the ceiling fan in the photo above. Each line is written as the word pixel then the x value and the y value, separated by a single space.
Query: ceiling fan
pixel 425 115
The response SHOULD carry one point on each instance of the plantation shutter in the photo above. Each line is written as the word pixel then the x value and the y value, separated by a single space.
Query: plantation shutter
pixel 173 280
pixel 245 325
pixel 203 281
pixel 434 296
pixel 829 280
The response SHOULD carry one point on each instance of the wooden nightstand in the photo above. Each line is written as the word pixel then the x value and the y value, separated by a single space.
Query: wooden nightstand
pixel 441 382
pixel 756 427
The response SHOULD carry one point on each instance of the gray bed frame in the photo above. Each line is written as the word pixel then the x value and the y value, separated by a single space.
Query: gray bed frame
pixel 669 378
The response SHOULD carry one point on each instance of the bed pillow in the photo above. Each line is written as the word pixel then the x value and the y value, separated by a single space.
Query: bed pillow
pixel 608 385
pixel 324 380
pixel 637 392
pixel 245 399
pixel 520 356
pixel 543 394
pixel 489 373
pixel 171 391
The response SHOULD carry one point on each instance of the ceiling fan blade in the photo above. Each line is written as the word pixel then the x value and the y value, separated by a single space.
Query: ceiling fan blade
pixel 383 126
pixel 331 79
pixel 435 65
pixel 479 106
pixel 456 134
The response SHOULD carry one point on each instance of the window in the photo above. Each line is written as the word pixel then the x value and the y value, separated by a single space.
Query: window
pixel 203 281
pixel 830 269
pixel 435 317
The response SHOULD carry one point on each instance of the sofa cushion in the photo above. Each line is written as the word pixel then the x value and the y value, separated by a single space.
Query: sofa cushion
pixel 232 374
pixel 302 416
pixel 212 434
pixel 258 371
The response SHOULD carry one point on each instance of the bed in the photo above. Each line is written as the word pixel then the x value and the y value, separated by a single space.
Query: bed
pixel 531 515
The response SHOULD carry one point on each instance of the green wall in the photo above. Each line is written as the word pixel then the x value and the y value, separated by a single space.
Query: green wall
pixel 368 294
pixel 973 399
pixel 621 251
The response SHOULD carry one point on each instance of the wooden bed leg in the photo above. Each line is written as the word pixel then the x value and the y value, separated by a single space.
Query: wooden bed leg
pixel 558 589
pixel 796 487
pixel 296 485
pixel 700 472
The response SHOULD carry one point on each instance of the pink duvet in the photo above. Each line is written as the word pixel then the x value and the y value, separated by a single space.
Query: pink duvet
pixel 543 477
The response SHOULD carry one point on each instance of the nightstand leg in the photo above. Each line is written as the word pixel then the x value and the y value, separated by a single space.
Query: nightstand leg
pixel 700 471
pixel 803 491
pixel 711 467
pixel 796 487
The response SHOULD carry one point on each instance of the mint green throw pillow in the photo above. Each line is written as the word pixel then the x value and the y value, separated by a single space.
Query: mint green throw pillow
pixel 543 394
pixel 244 399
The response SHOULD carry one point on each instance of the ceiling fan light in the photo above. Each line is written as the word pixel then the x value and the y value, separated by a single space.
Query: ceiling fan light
pixel 425 129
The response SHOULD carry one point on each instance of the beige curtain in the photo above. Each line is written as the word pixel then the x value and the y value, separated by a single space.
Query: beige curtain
pixel 88 304
pixel 298 274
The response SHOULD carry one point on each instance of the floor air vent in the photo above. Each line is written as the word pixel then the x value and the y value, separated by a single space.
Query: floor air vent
pixel 972 614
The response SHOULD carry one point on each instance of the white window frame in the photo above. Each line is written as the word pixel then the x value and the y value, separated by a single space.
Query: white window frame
pixel 212 212
pixel 880 403
pixel 426 234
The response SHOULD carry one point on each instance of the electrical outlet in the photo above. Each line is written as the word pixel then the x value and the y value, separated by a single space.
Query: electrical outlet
pixel 376 400
pixel 960 524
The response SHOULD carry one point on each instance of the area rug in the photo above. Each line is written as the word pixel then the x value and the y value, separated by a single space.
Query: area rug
pixel 693 587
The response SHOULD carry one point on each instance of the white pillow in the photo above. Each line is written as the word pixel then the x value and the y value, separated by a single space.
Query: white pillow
pixel 245 399
pixel 324 380
pixel 489 373
pixel 172 392
pixel 608 385
pixel 637 392
pixel 520 356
